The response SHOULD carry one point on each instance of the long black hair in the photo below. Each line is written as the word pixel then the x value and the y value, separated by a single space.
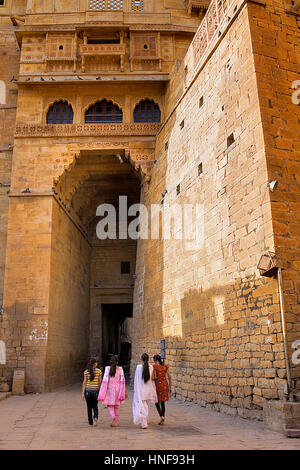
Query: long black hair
pixel 146 373
pixel 113 365
pixel 158 358
pixel 91 369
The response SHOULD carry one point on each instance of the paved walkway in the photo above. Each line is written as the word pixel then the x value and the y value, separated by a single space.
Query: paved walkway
pixel 58 421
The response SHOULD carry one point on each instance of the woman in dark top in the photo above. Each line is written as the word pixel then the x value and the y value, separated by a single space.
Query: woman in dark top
pixel 90 390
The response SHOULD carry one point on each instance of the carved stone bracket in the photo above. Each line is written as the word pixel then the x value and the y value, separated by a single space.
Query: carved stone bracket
pixel 142 160
pixel 197 5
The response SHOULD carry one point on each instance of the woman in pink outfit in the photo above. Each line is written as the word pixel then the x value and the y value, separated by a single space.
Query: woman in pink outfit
pixel 112 391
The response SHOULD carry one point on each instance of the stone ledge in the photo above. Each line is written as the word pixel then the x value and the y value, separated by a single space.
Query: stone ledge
pixel 283 417
pixel 4 395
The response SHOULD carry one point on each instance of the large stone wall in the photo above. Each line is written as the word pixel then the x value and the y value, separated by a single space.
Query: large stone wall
pixel 69 319
pixel 211 305
pixel 9 67
pixel 9 58
pixel 5 168
pixel 24 325
pixel 275 38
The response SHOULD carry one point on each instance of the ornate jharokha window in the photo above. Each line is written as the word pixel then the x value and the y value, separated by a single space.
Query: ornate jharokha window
pixel 105 4
pixel 134 5
pixel 60 112
pixel 104 111
pixel 147 111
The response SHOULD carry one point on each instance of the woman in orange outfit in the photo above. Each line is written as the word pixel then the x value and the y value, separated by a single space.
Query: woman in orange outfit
pixel 161 372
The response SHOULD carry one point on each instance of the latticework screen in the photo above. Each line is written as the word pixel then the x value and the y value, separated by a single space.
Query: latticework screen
pixel 137 5
pixel 106 4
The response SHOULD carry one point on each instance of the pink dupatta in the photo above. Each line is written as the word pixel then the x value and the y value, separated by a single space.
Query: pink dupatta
pixel 105 386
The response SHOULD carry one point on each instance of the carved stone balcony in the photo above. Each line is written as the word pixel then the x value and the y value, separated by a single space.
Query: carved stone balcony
pixel 199 6
pixel 87 130
pixel 217 13
pixel 102 49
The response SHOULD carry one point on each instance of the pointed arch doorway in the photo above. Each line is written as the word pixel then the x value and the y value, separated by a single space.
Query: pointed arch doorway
pixel 92 285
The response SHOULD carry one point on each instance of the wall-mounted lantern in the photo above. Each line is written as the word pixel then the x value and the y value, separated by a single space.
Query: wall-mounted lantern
pixel 268 264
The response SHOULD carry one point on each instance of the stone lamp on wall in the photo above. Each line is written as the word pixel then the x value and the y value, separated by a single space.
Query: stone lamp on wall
pixel 268 264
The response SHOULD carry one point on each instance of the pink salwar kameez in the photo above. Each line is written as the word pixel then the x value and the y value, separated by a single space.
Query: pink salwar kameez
pixel 112 392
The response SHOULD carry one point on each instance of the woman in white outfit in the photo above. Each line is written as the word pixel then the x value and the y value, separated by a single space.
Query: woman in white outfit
pixel 144 389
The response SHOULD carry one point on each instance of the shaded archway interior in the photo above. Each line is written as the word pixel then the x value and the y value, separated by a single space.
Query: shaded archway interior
pixel 93 277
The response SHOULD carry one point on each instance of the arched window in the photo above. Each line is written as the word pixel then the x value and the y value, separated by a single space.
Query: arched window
pixel 104 111
pixel 61 112
pixel 147 111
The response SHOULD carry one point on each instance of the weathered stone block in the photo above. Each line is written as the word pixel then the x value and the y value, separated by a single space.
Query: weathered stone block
pixel 18 384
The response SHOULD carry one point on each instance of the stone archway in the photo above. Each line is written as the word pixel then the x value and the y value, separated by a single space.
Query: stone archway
pixel 86 278
pixel 47 298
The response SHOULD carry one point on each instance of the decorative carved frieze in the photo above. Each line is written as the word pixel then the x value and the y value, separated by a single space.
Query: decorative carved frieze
pixel 81 130
pixel 102 49
pixel 135 27
pixel 142 155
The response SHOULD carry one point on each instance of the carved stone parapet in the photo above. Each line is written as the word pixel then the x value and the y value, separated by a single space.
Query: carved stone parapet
pixel 83 130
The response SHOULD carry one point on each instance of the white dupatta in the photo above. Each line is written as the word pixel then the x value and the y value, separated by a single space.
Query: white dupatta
pixel 142 392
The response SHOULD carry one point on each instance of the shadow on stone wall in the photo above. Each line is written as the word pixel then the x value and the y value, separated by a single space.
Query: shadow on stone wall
pixel 228 356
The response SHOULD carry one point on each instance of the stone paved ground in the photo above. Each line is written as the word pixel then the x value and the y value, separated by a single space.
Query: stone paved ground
pixel 58 421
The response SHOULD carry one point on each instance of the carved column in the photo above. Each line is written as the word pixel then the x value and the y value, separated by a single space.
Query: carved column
pixel 122 56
